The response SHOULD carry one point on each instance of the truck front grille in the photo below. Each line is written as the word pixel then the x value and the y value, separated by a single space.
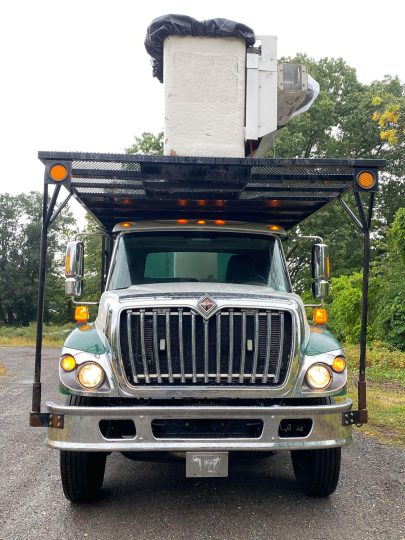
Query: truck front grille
pixel 179 347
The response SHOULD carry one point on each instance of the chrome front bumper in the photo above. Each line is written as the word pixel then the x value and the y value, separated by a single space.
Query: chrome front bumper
pixel 81 430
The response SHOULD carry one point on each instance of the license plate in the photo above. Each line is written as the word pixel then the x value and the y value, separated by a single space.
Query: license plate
pixel 206 464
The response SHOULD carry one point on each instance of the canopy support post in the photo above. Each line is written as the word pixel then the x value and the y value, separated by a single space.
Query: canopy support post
pixel 36 417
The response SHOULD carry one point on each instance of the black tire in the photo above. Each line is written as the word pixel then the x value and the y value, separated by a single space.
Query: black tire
pixel 317 471
pixel 82 473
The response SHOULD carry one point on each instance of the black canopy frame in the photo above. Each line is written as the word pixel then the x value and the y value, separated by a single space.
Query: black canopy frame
pixel 115 188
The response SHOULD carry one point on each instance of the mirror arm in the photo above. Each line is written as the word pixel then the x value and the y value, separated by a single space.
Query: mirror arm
pixel 83 303
pixel 315 305
pixel 313 238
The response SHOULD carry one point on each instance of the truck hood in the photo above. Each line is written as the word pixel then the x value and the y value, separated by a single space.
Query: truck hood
pixel 191 289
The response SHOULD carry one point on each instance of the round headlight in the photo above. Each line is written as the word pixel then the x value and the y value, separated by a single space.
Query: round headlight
pixel 67 362
pixel 318 376
pixel 90 375
pixel 339 364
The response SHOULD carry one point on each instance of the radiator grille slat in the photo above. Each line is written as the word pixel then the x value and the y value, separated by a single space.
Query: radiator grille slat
pixel 255 347
pixel 268 349
pixel 193 348
pixel 181 347
pixel 130 351
pixel 169 347
pixel 156 346
pixel 230 342
pixel 178 346
pixel 218 349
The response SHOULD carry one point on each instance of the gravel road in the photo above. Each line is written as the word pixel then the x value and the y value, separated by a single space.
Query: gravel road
pixel 142 500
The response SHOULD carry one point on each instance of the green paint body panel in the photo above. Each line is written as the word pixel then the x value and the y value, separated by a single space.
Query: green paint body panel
pixel 64 391
pixel 342 392
pixel 86 338
pixel 321 341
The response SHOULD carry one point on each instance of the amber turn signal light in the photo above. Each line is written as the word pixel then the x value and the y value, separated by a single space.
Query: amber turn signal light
pixel 320 316
pixel 339 364
pixel 58 172
pixel 81 314
pixel 366 179
pixel 67 362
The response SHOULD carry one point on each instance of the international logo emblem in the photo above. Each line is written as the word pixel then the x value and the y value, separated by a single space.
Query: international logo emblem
pixel 206 304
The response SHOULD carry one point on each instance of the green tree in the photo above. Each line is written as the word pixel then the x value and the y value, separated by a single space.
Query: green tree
pixel 148 144
pixel 389 269
pixel 341 124
pixel 20 234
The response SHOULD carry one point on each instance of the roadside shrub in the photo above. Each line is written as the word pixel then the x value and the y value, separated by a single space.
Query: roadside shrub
pixel 345 307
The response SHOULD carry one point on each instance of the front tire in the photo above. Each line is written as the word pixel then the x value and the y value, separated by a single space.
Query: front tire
pixel 82 473
pixel 317 471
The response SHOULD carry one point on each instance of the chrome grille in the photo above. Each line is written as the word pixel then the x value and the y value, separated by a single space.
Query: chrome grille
pixel 179 346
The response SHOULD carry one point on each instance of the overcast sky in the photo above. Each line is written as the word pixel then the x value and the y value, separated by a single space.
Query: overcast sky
pixel 75 74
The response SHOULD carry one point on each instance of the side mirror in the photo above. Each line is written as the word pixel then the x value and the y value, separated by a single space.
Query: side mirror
pixel 74 269
pixel 320 271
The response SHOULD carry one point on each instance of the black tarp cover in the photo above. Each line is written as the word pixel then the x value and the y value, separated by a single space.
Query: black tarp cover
pixel 182 25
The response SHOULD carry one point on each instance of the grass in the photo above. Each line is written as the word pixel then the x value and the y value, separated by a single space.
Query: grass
pixel 385 391
pixel 385 375
pixel 24 336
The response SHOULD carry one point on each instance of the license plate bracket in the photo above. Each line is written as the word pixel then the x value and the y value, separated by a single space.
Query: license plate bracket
pixel 206 464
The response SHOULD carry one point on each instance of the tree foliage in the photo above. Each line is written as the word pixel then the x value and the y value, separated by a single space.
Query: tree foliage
pixel 20 234
pixel 342 124
pixel 148 144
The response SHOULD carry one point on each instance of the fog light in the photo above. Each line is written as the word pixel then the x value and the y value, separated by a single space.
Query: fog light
pixel 67 362
pixel 339 364
pixel 90 375
pixel 318 376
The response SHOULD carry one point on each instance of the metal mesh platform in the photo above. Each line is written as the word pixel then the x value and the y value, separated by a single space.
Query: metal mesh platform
pixel 121 187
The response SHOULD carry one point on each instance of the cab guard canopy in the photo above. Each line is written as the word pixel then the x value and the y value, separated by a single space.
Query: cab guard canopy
pixel 122 187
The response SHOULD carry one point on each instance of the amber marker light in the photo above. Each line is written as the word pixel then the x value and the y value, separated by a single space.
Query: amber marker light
pixel 273 203
pixel 182 221
pixel 67 362
pixel 125 225
pixel 274 227
pixel 320 316
pixel 58 172
pixel 182 202
pixel 81 314
pixel 201 202
pixel 201 222
pixel 339 364
pixel 219 222
pixel 366 179
pixel 220 202
pixel 67 263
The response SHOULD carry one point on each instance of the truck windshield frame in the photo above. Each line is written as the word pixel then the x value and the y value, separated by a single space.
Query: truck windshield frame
pixel 146 258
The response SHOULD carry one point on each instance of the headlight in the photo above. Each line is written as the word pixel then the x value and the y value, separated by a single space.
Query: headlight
pixel 318 376
pixel 90 375
pixel 67 362
pixel 339 364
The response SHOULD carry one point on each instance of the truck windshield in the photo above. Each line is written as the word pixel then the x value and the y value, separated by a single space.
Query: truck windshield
pixel 187 256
